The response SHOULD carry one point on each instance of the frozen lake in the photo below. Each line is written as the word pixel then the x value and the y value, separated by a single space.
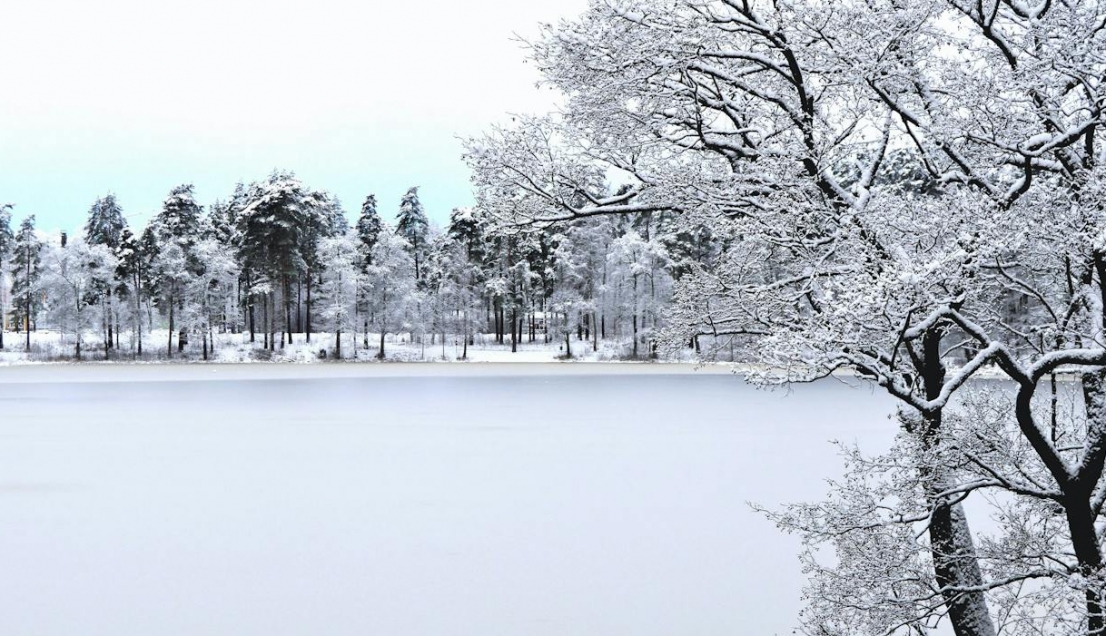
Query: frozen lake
pixel 408 500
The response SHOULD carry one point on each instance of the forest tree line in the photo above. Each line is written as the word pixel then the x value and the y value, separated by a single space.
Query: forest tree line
pixel 277 259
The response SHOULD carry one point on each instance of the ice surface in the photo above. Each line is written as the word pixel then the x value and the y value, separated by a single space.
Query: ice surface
pixel 560 499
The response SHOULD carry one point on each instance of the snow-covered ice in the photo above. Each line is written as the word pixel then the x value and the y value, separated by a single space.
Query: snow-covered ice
pixel 407 499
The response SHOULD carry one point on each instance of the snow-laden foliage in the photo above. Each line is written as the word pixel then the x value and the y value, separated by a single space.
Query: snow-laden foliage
pixel 910 191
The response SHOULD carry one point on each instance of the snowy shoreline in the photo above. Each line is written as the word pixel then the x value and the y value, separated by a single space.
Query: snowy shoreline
pixel 126 371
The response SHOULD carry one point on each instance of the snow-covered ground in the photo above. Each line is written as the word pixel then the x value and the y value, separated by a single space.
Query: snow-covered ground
pixel 407 499
pixel 51 346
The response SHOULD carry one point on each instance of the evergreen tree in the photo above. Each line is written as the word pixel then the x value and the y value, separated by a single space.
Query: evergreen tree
pixel 274 230
pixel 330 220
pixel 468 229
pixel 220 221
pixel 26 272
pixel 105 223
pixel 105 227
pixel 131 272
pixel 368 228
pixel 177 228
pixel 414 228
pixel 6 241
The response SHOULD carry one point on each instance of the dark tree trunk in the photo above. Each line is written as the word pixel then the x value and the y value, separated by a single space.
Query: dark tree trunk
pixel 635 335
pixel 307 309
pixel 27 319
pixel 514 340
pixel 287 288
pixel 1081 518
pixel 594 335
pixel 172 325
pixel 250 298
pixel 111 329
pixel 138 311
pixel 955 563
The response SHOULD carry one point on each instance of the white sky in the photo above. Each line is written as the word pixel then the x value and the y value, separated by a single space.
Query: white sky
pixel 134 97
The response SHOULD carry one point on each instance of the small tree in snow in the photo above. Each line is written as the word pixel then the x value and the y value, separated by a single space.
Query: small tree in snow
pixel 391 283
pixel 341 278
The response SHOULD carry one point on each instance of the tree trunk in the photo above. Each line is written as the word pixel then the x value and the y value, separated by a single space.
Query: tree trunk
pixel 138 313
pixel 955 564
pixel 308 309
pixel 108 316
pixel 1081 519
pixel 286 291
pixel 271 316
pixel 169 349
pixel 594 335
pixel 635 335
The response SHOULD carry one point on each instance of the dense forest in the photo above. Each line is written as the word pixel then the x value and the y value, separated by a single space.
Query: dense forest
pixel 278 261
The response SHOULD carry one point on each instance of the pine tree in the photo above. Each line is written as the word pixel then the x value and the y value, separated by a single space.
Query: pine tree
pixel 274 229
pixel 180 215
pixel 105 223
pixel 26 272
pixel 368 228
pixel 105 227
pixel 6 245
pixel 414 228
pixel 177 228
pixel 131 272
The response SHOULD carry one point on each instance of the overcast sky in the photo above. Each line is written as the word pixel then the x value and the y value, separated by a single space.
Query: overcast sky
pixel 134 97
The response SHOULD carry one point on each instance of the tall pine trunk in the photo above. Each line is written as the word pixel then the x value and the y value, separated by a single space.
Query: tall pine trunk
pixel 307 309
pixel 172 305
pixel 514 340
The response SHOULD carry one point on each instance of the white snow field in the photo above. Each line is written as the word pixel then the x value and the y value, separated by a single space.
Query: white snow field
pixel 401 499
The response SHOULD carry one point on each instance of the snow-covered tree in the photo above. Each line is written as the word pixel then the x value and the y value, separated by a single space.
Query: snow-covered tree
pixel 780 127
pixel 391 283
pixel 26 274
pixel 210 292
pixel 72 277
pixel 105 223
pixel 413 226
pixel 7 240
pixel 275 229
pixel 341 280
pixel 640 283
pixel 176 229
pixel 133 276
pixel 369 227
pixel 105 226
